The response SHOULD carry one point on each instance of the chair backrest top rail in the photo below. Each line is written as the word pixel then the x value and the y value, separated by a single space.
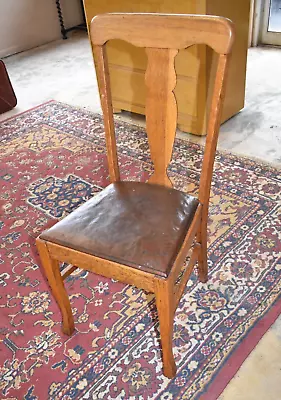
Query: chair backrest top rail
pixel 170 31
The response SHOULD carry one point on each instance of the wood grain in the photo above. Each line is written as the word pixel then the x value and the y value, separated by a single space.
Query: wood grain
pixel 168 31
pixel 179 288
pixel 102 267
pixel 186 245
pixel 161 110
pixel 52 271
pixel 106 104
pixel 165 308
pixel 208 161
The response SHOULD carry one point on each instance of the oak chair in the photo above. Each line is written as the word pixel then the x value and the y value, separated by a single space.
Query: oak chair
pixel 140 233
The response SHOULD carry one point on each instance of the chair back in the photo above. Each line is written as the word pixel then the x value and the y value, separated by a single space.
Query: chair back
pixel 163 35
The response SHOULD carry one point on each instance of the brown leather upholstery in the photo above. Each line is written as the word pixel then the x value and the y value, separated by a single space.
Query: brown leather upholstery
pixel 8 99
pixel 132 223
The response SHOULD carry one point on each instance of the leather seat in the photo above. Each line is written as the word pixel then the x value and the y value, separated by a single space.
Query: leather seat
pixel 132 223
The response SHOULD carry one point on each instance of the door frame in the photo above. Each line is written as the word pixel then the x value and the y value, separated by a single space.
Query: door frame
pixel 266 37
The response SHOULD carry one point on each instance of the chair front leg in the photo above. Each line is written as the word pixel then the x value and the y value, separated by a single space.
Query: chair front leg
pixel 165 306
pixel 55 280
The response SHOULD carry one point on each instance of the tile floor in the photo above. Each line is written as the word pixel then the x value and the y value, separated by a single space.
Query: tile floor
pixel 63 70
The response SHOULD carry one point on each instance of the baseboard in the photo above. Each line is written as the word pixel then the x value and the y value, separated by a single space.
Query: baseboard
pixel 10 51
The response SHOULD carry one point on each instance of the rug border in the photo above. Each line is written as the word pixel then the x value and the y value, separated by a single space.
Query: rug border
pixel 241 353
pixel 28 110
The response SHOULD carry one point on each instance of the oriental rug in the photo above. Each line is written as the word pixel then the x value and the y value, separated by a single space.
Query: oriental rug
pixel 53 159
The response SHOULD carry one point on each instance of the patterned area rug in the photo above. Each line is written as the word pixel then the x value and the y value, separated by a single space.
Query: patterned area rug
pixel 53 159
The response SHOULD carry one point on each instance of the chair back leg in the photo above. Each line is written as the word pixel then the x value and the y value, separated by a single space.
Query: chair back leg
pixel 202 251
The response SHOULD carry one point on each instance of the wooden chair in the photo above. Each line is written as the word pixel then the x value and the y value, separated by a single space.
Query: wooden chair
pixel 140 233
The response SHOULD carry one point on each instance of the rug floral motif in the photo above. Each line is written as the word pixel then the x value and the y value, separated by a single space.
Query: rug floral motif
pixel 53 159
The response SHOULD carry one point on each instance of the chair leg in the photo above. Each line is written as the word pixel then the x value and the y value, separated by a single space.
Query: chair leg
pixel 202 256
pixel 165 307
pixel 55 280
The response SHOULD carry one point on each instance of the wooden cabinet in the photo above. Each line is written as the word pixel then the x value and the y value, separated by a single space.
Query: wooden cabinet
pixel 194 66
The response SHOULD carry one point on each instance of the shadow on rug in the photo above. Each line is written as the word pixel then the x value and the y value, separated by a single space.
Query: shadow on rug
pixel 53 159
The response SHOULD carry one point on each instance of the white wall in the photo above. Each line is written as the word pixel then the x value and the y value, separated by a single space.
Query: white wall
pixel 25 24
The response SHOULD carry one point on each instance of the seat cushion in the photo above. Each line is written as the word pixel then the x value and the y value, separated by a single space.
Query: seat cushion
pixel 136 224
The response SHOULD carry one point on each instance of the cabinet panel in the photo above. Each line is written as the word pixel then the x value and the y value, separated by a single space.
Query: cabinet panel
pixel 194 66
